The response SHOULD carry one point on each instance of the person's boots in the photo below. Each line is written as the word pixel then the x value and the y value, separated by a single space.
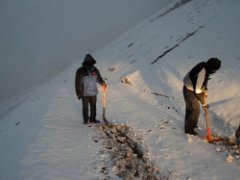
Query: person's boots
pixel 191 132
pixel 94 121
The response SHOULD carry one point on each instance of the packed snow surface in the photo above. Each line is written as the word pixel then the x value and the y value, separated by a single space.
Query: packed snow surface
pixel 42 136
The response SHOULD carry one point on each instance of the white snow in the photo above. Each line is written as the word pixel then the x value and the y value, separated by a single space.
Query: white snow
pixel 57 32
pixel 42 137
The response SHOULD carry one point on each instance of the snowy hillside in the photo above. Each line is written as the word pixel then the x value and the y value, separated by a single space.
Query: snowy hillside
pixel 44 138
pixel 35 33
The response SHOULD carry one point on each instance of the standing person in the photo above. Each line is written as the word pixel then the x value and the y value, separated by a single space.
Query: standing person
pixel 87 77
pixel 195 91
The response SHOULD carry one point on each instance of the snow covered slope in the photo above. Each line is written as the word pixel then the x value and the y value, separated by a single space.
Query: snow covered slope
pixel 36 33
pixel 44 138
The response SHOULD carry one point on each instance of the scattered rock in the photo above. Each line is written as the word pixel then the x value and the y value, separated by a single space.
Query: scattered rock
pixel 230 158
pixel 112 69
pixel 126 81
pixel 17 123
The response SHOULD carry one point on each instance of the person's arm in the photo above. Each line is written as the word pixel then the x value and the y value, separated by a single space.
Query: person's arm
pixel 100 79
pixel 202 97
pixel 197 76
pixel 78 84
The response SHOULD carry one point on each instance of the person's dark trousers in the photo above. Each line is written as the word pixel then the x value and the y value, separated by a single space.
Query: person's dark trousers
pixel 192 110
pixel 89 101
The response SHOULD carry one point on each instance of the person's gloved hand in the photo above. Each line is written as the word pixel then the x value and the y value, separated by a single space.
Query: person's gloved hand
pixel 205 93
pixel 104 84
pixel 205 106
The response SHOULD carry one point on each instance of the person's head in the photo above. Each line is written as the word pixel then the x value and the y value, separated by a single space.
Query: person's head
pixel 213 64
pixel 89 60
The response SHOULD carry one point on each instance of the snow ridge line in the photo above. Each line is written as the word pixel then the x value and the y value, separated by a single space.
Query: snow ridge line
pixel 178 44
pixel 175 6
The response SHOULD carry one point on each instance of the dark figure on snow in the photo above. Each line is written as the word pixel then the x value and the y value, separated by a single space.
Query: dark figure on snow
pixel 237 134
pixel 86 81
pixel 195 91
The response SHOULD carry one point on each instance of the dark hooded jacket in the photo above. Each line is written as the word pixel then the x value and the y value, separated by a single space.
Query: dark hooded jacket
pixel 86 77
pixel 196 80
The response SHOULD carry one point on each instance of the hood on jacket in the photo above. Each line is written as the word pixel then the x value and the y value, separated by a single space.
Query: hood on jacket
pixel 89 60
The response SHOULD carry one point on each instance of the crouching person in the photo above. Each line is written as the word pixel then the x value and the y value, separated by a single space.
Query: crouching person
pixel 195 91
